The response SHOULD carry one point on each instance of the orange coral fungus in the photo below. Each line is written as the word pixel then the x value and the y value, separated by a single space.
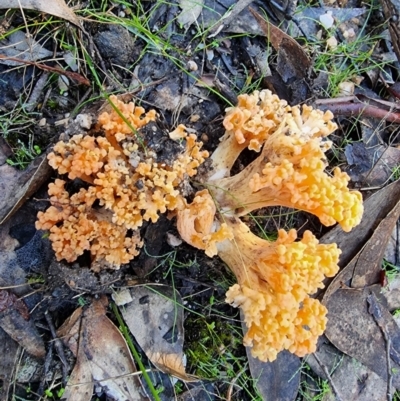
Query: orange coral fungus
pixel 274 280
pixel 134 118
pixel 76 227
pixel 131 177
pixel 197 226
pixel 290 171
pixel 255 118
pixel 247 125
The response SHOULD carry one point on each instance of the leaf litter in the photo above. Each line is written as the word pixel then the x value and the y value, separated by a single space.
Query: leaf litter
pixel 102 356
pixel 353 290
pixel 154 316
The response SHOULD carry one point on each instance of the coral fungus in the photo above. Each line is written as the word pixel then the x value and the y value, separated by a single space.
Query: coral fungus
pixel 131 182
pixel 126 178
pixel 274 280
pixel 290 171
pixel 247 125
pixel 75 227
pixel 197 226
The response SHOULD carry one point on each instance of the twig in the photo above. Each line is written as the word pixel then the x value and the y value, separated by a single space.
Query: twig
pixel 357 109
pixel 237 9
pixel 230 388
pixel 46 368
pixel 389 368
pixel 375 310
pixel 329 378
pixel 58 346
pixel 69 74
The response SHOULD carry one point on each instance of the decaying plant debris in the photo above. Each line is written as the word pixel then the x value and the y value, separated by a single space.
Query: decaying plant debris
pixel 188 173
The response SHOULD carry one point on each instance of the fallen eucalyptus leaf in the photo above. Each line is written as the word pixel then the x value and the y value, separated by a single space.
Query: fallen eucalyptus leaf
pixel 191 10
pixel 354 381
pixel 54 7
pixel 22 46
pixel 9 352
pixel 353 330
pixel 154 315
pixel 293 62
pixel 371 166
pixel 17 186
pixel 22 330
pixel 365 268
pixel 103 357
pixel 277 380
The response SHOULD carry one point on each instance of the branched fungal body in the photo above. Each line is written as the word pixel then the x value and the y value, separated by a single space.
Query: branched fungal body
pixel 127 182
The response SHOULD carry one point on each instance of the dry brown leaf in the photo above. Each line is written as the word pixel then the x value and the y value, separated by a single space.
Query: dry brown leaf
pixel 365 268
pixel 154 315
pixel 17 186
pixel 390 10
pixel 351 327
pixel 54 7
pixel 23 47
pixel 9 300
pixel 191 10
pixel 9 351
pixel 69 331
pixel 371 166
pixel 103 356
pixel 353 380
pixel 22 331
pixel 368 264
pixel 14 315
pixel 353 330
pixel 277 380
pixel 80 382
pixel 295 62
pixel 80 79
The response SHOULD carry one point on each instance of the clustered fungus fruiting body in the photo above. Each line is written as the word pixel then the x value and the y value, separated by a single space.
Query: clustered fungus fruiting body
pixel 274 283
pixel 124 177
pixel 275 279
pixel 127 183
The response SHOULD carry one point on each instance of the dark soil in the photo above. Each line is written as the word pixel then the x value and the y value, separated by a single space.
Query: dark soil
pixel 127 63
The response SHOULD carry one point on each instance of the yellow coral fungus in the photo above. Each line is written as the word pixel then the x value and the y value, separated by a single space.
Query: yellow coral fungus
pixel 290 171
pixel 197 226
pixel 84 229
pixel 247 125
pixel 275 279
pixel 129 176
pixel 255 118
pixel 274 283
pixel 132 180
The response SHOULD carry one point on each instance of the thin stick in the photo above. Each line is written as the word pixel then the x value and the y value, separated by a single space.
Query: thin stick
pixel 329 378
pixel 233 382
pixel 375 311
pixel 59 347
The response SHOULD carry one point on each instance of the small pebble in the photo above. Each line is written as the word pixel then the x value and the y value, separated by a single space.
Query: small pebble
pixel 192 66
pixel 346 88
pixel 327 20
pixel 84 120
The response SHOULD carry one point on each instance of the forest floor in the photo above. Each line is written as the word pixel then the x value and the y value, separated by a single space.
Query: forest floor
pixel 189 61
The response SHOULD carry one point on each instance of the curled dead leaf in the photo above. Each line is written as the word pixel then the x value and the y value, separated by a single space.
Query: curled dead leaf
pixel 54 7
